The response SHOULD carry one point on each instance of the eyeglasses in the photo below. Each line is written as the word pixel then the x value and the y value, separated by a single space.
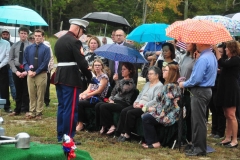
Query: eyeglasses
pixel 151 74
pixel 118 35
pixel 97 65
pixel 165 70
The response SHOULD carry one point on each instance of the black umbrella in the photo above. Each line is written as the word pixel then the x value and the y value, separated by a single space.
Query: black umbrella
pixel 107 18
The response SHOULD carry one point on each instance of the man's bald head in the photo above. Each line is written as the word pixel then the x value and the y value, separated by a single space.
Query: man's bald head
pixel 75 29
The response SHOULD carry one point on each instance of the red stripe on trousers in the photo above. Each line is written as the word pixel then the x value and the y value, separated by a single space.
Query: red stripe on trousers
pixel 73 109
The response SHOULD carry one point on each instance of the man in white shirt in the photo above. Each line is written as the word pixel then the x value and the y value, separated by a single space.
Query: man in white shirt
pixel 4 80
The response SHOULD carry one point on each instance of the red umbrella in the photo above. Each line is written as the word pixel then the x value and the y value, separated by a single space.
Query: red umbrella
pixel 198 31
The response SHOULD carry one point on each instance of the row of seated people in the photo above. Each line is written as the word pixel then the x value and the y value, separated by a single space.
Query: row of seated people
pixel 126 110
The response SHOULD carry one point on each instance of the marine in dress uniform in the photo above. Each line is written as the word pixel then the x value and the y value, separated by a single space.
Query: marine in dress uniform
pixel 72 66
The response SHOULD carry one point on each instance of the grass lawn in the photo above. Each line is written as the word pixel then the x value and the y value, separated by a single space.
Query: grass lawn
pixel 101 147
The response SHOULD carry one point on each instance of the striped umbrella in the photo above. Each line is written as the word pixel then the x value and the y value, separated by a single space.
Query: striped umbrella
pixel 198 31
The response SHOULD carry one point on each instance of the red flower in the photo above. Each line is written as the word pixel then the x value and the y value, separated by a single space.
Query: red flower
pixel 21 66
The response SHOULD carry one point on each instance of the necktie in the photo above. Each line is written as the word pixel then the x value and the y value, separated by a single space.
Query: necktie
pixel 21 53
pixel 36 59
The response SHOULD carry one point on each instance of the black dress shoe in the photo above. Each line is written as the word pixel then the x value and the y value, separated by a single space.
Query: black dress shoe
pixel 193 153
pixel 125 139
pixel 120 138
pixel 8 111
pixel 230 146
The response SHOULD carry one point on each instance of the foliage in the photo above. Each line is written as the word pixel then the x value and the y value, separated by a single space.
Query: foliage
pixel 159 11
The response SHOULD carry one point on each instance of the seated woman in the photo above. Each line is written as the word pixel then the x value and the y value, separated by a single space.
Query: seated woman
pixel 146 98
pixel 167 111
pixel 168 51
pixel 120 98
pixel 94 93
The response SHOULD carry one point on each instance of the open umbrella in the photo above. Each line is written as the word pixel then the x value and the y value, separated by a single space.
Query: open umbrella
pixel 233 26
pixel 14 14
pixel 154 32
pixel 120 53
pixel 107 18
pixel 199 31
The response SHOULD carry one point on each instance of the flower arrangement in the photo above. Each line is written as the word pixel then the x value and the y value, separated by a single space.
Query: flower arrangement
pixel 31 67
pixel 69 147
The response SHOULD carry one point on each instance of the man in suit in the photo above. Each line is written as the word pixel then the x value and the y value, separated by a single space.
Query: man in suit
pixel 116 66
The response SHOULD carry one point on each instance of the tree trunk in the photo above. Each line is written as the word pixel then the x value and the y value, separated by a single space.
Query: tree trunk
pixel 48 16
pixel 51 18
pixel 145 7
pixel 41 10
pixel 185 9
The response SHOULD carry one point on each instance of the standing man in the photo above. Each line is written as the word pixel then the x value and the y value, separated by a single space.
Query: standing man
pixel 104 40
pixel 113 36
pixel 6 36
pixel 36 59
pixel 50 67
pixel 19 74
pixel 201 80
pixel 116 66
pixel 71 66
pixel 4 80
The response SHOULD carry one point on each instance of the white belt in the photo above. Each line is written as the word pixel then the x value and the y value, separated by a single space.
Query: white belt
pixel 67 64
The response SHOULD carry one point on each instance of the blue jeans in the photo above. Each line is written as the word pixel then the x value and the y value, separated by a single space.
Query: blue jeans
pixel 11 84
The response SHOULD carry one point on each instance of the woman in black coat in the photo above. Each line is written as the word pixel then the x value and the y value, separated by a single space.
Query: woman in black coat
pixel 228 91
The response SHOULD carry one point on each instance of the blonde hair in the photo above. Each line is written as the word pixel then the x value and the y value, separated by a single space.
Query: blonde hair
pixel 96 39
pixel 105 69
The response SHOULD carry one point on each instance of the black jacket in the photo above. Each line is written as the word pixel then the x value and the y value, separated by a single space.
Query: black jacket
pixel 67 49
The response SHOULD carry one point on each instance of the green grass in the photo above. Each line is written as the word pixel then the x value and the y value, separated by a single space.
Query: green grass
pixel 101 147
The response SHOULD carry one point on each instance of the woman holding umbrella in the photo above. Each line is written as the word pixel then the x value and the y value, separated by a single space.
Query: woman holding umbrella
pixel 185 68
pixel 167 111
pixel 228 91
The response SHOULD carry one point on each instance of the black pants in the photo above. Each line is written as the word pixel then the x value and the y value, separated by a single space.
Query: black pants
pixel 106 112
pixel 22 96
pixel 150 133
pixel 47 95
pixel 4 86
pixel 187 104
pixel 218 118
pixel 199 101
pixel 81 109
pixel 128 119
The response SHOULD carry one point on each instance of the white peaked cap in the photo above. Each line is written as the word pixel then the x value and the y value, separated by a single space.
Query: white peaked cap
pixel 79 22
